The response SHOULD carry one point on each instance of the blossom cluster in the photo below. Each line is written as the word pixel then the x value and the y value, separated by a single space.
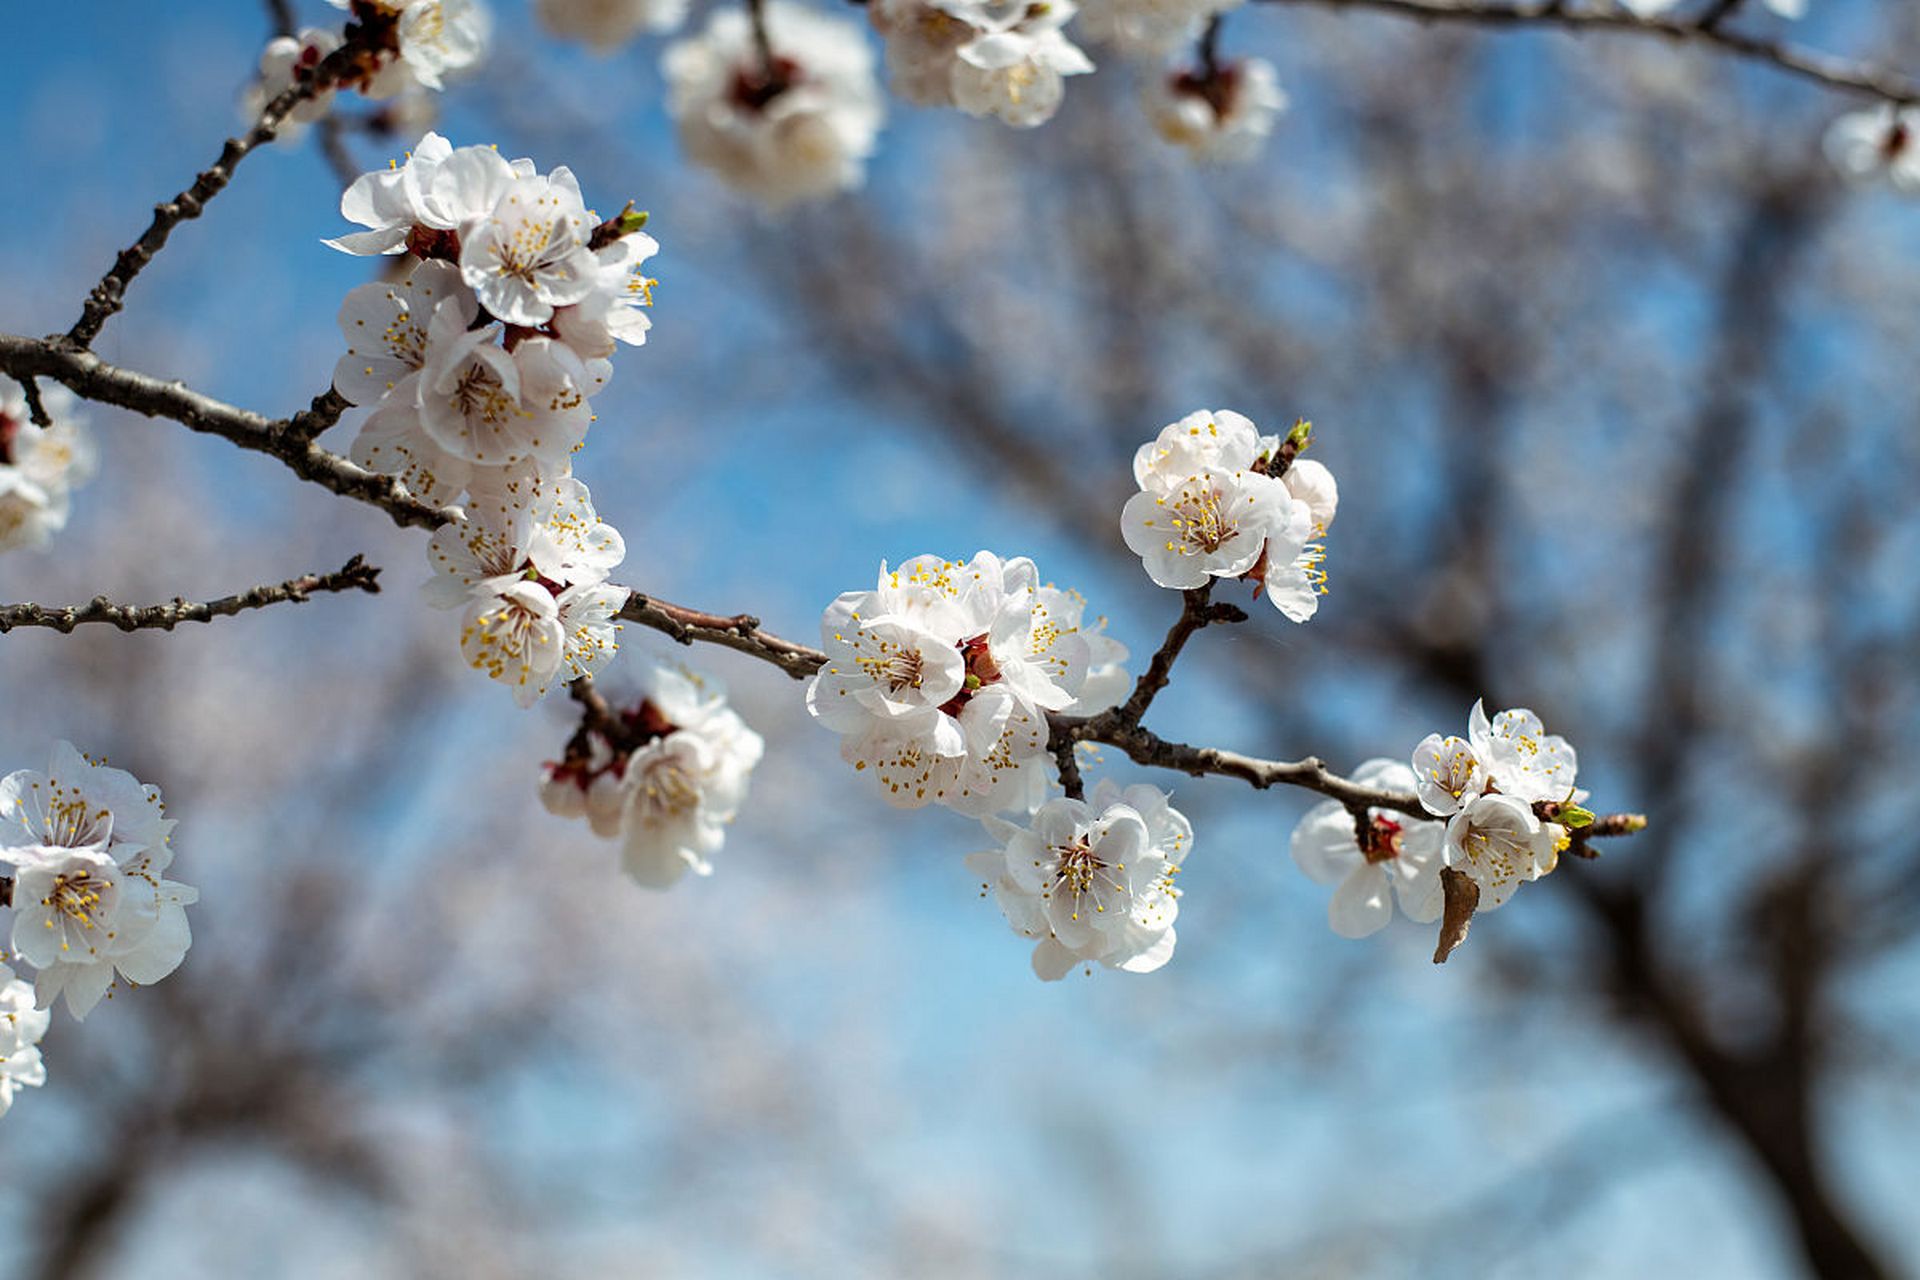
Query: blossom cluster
pixel 411 45
pixel 87 848
pixel 780 101
pixel 1486 794
pixel 1219 500
pixel 1091 880
pixel 39 466
pixel 795 121
pixel 1007 59
pixel 939 680
pixel 1486 786
pixel 479 362
pixel 664 779
pixel 529 565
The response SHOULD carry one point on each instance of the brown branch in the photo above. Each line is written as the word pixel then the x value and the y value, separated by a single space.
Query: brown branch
pixel 316 417
pixel 739 632
pixel 92 378
pixel 108 296
pixel 281 17
pixel 355 575
pixel 762 44
pixel 36 411
pixel 1821 68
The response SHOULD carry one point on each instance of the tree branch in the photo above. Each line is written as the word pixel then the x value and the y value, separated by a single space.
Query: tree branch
pixel 1821 68
pixel 739 632
pixel 355 575
pixel 92 378
pixel 108 296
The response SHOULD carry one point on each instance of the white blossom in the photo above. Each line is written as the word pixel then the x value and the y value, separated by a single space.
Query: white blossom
pixel 90 846
pixel 438 188
pixel 1107 684
pixel 494 407
pixel 442 36
pixel 1204 438
pixel 1091 881
pixel 529 564
pixel 1521 758
pixel 1209 508
pixel 798 129
pixel 671 784
pixel 1882 141
pixel 613 311
pixel 286 61
pixel 1223 117
pixel 22 1024
pixel 1500 842
pixel 385 325
pixel 529 253
pixel 1018 76
pixel 608 24
pixel 434 37
pixel 1003 58
pixel 1447 774
pixel 940 678
pixel 1213 523
pixel 923 42
pixel 1402 859
pixel 39 466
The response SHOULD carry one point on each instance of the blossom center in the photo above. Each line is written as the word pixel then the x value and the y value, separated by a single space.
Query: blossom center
pixel 665 791
pixel 1200 518
pixel 982 670
pixel 480 394
pixel 69 822
pixel 1501 850
pixel 754 86
pixel 76 896
pixel 1380 840
pixel 1079 872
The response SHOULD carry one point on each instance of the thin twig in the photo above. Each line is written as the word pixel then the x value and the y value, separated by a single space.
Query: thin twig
pixel 1208 49
pixel 1834 72
pixel 355 575
pixel 281 17
pixel 739 632
pixel 36 411
pixel 323 412
pixel 108 296
pixel 763 46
